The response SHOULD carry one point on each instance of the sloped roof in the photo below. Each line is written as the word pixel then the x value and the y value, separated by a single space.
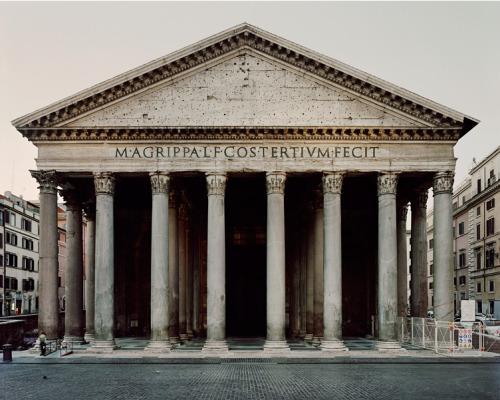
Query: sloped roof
pixel 244 36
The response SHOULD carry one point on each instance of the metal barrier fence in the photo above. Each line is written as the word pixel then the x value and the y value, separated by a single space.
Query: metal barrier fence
pixel 449 338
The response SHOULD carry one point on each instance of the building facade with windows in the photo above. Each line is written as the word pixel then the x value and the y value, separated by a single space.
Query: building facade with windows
pixel 20 245
pixel 235 187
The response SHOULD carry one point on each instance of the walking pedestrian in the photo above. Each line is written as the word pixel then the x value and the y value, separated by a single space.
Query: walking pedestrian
pixel 43 343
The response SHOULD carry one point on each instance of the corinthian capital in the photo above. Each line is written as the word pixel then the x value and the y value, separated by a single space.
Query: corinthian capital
pixel 332 182
pixel 216 184
pixel 48 181
pixel 104 183
pixel 443 182
pixel 419 198
pixel 402 210
pixel 159 182
pixel 89 210
pixel 387 183
pixel 275 182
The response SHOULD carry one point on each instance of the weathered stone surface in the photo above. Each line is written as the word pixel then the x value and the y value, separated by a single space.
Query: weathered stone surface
pixel 244 90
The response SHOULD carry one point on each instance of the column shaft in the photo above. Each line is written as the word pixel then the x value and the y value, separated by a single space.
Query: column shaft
pixel 160 318
pixel 104 263
pixel 173 256
pixel 48 309
pixel 418 299
pixel 182 274
pixel 216 265
pixel 387 263
pixel 332 314
pixel 402 209
pixel 90 273
pixel 275 277
pixel 189 278
pixel 310 277
pixel 318 269
pixel 443 247
pixel 73 319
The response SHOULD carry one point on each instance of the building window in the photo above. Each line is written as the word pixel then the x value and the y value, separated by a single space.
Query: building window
pixel 454 281
pixel 11 283
pixel 455 206
pixel 461 228
pixel 10 260
pixel 478 287
pixel 462 262
pixel 478 231
pixel 28 264
pixel 7 283
pixel 11 238
pixel 490 258
pixel 27 244
pixel 431 285
pixel 491 179
pixel 491 286
pixel 479 306
pixel 1 279
pixel 463 199
pixel 490 204
pixel 431 244
pixel 478 260
pixel 478 211
pixel 461 280
pixel 462 295
pixel 1 260
pixel 25 224
pixel 490 226
pixel 1 238
pixel 431 269
pixel 478 186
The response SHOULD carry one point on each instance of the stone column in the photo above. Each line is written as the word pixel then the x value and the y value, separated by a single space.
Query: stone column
pixel 303 277
pixel 318 268
pixel 173 257
pixel 443 246
pixel 216 264
pixel 89 208
pixel 402 210
pixel 104 263
pixel 310 275
pixel 418 299
pixel 189 277
pixel 275 259
pixel 387 264
pixel 73 317
pixel 182 274
pixel 48 308
pixel 196 282
pixel 332 266
pixel 159 341
pixel 295 251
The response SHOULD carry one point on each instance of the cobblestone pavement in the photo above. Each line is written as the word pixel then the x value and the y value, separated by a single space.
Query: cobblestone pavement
pixel 250 379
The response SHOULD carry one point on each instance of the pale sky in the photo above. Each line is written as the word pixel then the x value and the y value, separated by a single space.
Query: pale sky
pixel 447 52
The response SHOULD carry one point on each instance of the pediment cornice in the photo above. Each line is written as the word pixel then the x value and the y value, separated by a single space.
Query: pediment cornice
pixel 240 133
pixel 247 37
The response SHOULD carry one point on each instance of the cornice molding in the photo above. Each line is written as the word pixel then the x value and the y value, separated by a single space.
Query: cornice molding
pixel 253 39
pixel 239 133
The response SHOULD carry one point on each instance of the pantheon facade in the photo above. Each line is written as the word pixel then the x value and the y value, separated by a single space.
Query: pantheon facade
pixel 244 186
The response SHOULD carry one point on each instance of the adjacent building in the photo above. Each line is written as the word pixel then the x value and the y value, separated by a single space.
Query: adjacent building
pixel 19 245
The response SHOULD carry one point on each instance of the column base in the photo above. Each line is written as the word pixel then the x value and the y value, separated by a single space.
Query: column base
pixel 302 335
pixel 333 346
pixel 102 346
pixel 276 346
pixel 158 346
pixel 74 339
pixel 184 337
pixel 175 341
pixel 190 335
pixel 308 337
pixel 389 346
pixel 316 341
pixel 89 337
pixel 215 346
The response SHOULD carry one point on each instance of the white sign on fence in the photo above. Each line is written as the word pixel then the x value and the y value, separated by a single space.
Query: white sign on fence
pixel 465 338
pixel 468 308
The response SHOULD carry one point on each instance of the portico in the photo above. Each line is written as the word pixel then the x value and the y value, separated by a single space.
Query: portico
pixel 245 185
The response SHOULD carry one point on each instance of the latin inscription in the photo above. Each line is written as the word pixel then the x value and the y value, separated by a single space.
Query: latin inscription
pixel 260 152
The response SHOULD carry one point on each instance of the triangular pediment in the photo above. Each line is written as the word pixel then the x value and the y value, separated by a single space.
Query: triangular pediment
pixel 244 77
pixel 245 90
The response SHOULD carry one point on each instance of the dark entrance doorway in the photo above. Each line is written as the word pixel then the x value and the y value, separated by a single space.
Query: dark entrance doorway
pixel 246 257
